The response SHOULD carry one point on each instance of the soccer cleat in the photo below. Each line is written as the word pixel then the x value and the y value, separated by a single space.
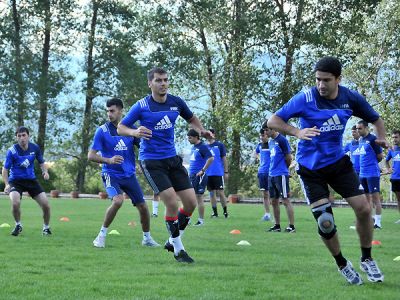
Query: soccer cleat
pixel 350 274
pixel 266 218
pixel 150 243
pixel 184 257
pixel 371 268
pixel 397 222
pixel 275 228
pixel 17 230
pixel 376 226
pixel 199 223
pixel 154 215
pixel 100 241
pixel 46 232
pixel 290 229
pixel 225 215
pixel 168 246
pixel 214 215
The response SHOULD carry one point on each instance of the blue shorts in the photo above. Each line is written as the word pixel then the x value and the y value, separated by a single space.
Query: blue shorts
pixel 370 184
pixel 279 187
pixel 129 185
pixel 263 181
pixel 199 183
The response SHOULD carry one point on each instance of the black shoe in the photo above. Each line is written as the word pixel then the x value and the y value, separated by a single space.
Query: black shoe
pixel 46 231
pixel 377 226
pixel 290 229
pixel 214 215
pixel 225 215
pixel 275 228
pixel 17 230
pixel 184 257
pixel 154 215
pixel 168 246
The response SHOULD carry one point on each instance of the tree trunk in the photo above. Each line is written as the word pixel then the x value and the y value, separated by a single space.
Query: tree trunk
pixel 83 161
pixel 43 87
pixel 18 66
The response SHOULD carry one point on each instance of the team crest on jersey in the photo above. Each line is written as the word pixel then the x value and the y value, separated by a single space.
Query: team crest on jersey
pixel 332 124
pixel 121 146
pixel 173 108
pixel 32 153
pixel 164 123
pixel 25 163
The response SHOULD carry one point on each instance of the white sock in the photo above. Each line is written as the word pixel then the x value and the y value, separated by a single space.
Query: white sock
pixel 146 235
pixel 103 231
pixel 378 220
pixel 181 232
pixel 177 243
pixel 18 223
pixel 155 207
pixel 201 220
pixel 45 226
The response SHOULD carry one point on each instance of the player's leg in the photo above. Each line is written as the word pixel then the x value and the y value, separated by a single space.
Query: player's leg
pixel 15 198
pixel 155 202
pixel 398 204
pixel 37 193
pixel 199 184
pixel 274 194
pixel 263 185
pixel 212 188
pixel 282 184
pixel 201 209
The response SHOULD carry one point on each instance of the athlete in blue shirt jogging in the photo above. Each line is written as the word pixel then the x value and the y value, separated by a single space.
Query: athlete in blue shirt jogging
pixel 352 150
pixel 20 164
pixel 370 156
pixel 157 114
pixel 117 156
pixel 262 152
pixel 394 156
pixel 323 112
pixel 200 160
pixel 279 179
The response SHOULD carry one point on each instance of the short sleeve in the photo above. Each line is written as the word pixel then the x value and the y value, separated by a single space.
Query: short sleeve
pixel 97 140
pixel 39 155
pixel 361 108
pixel 222 149
pixel 132 116
pixel 389 155
pixel 9 160
pixel 205 152
pixel 293 108
pixel 185 111
pixel 284 145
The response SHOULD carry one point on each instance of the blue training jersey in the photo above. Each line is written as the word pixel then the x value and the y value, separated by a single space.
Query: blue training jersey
pixel 109 143
pixel 198 157
pixel 369 166
pixel 262 149
pixel 394 154
pixel 160 118
pixel 21 163
pixel 279 147
pixel 329 116
pixel 218 150
pixel 353 150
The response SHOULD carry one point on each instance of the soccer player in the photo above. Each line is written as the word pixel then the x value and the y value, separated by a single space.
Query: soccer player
pixel 279 179
pixel 217 175
pixel 394 155
pixel 370 156
pixel 117 156
pixel 263 154
pixel 200 160
pixel 19 176
pixel 323 111
pixel 162 167
pixel 352 149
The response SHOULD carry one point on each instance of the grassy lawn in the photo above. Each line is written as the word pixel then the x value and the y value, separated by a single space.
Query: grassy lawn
pixel 275 266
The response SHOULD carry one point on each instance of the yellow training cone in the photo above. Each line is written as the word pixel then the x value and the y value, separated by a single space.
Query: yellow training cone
pixel 396 258
pixel 5 225
pixel 114 232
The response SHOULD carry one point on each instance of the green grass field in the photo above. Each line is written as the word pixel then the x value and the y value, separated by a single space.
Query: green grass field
pixel 275 266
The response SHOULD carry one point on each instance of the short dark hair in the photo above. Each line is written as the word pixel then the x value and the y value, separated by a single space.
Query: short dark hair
pixel 193 132
pixel 212 130
pixel 115 101
pixel 265 125
pixel 262 130
pixel 364 123
pixel 354 127
pixel 329 64
pixel 158 70
pixel 396 131
pixel 21 129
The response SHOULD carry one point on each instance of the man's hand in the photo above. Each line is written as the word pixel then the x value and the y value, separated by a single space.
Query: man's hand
pixel 45 175
pixel 143 132
pixel 207 134
pixel 382 142
pixel 115 160
pixel 7 189
pixel 308 133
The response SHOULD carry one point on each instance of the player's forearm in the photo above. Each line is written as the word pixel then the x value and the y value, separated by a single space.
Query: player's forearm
pixel 196 124
pixel 225 162
pixel 380 129
pixel 97 158
pixel 387 164
pixel 125 130
pixel 43 168
pixel 288 160
pixel 281 126
pixel 208 163
pixel 4 174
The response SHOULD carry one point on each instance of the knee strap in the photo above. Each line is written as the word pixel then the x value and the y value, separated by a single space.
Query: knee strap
pixel 326 222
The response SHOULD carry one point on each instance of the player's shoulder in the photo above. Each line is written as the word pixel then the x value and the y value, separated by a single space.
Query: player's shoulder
pixel 142 103
pixel 351 94
pixel 12 149
pixel 33 146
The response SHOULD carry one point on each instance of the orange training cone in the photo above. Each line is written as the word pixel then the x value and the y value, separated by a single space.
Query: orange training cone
pixel 235 231
pixel 64 219
pixel 376 242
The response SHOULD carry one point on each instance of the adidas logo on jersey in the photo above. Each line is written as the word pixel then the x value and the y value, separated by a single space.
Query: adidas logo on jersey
pixel 356 152
pixel 25 163
pixel 332 124
pixel 272 153
pixel 164 123
pixel 362 151
pixel 120 146
pixel 397 157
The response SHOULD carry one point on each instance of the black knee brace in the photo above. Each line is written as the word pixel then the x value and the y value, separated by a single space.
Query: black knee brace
pixel 326 223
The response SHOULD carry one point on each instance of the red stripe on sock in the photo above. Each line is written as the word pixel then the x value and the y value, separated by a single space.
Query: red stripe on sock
pixel 184 212
pixel 167 218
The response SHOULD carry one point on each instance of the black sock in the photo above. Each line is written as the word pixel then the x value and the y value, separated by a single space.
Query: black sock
pixel 215 210
pixel 183 219
pixel 172 226
pixel 225 210
pixel 291 226
pixel 365 253
pixel 340 260
pixel 278 225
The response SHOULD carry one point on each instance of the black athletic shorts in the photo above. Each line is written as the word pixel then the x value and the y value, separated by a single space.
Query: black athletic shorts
pixel 215 183
pixel 165 173
pixel 31 186
pixel 395 185
pixel 279 187
pixel 339 175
